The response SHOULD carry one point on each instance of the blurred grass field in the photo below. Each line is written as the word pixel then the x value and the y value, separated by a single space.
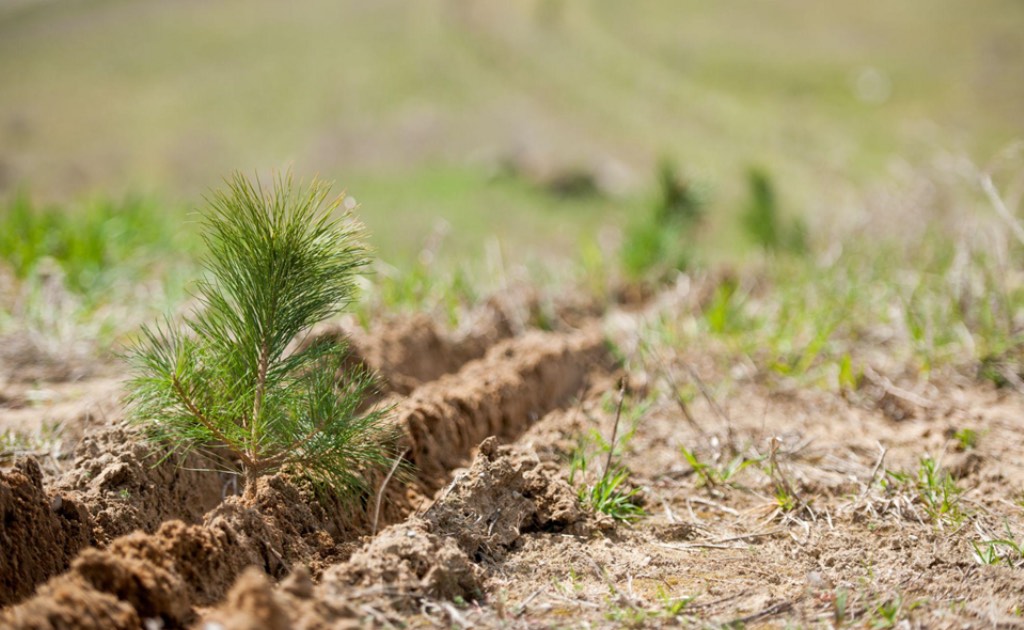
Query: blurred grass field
pixel 414 108
pixel 830 153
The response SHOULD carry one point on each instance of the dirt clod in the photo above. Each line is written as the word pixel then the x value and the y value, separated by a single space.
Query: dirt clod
pixel 252 605
pixel 411 560
pixel 40 532
pixel 66 603
pixel 127 486
pixel 503 494
pixel 278 525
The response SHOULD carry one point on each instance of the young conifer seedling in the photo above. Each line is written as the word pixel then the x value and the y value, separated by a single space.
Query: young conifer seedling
pixel 232 380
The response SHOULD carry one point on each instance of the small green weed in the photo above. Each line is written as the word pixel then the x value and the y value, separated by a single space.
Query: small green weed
pixel 966 439
pixel 14 443
pixel 724 314
pixel 570 586
pixel 985 552
pixel 848 378
pixel 786 501
pixel 936 489
pixel 939 492
pixel 840 607
pixel 782 489
pixel 608 496
pixel 992 551
pixel 711 475
pixel 630 614
pixel 673 606
pixel 889 613
pixel 421 288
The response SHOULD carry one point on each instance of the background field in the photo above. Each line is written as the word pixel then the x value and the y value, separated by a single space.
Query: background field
pixel 417 110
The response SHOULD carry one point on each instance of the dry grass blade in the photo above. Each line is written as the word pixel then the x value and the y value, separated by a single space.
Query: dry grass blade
pixel 615 427
pixel 1000 207
pixel 383 486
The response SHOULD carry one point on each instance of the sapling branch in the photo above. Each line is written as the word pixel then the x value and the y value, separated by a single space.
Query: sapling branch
pixel 186 400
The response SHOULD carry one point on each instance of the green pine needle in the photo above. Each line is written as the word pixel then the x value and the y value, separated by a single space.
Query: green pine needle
pixel 229 381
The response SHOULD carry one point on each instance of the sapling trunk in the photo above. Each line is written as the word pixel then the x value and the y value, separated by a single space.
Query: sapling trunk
pixel 229 380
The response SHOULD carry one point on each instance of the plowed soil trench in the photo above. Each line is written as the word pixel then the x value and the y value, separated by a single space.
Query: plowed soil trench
pixel 116 484
pixel 121 579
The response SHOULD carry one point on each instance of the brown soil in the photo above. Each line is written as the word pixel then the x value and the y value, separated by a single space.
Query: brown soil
pixel 850 553
pixel 117 485
pixel 503 495
pixel 126 485
pixel 413 561
pixel 41 532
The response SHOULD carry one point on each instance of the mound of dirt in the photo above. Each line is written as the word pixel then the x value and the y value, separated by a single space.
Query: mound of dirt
pixel 282 525
pixel 127 486
pixel 253 604
pixel 140 576
pixel 41 532
pixel 64 603
pixel 116 485
pixel 501 394
pixel 504 494
pixel 410 560
pixel 166 574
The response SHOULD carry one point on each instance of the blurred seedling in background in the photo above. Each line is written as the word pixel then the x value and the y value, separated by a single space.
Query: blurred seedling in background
pixel 763 221
pixel 966 439
pixel 664 240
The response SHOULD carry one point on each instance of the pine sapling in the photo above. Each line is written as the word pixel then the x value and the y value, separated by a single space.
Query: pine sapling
pixel 233 380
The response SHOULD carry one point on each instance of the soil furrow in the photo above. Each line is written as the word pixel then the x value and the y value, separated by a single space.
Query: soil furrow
pixel 408 351
pixel 166 574
pixel 118 484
